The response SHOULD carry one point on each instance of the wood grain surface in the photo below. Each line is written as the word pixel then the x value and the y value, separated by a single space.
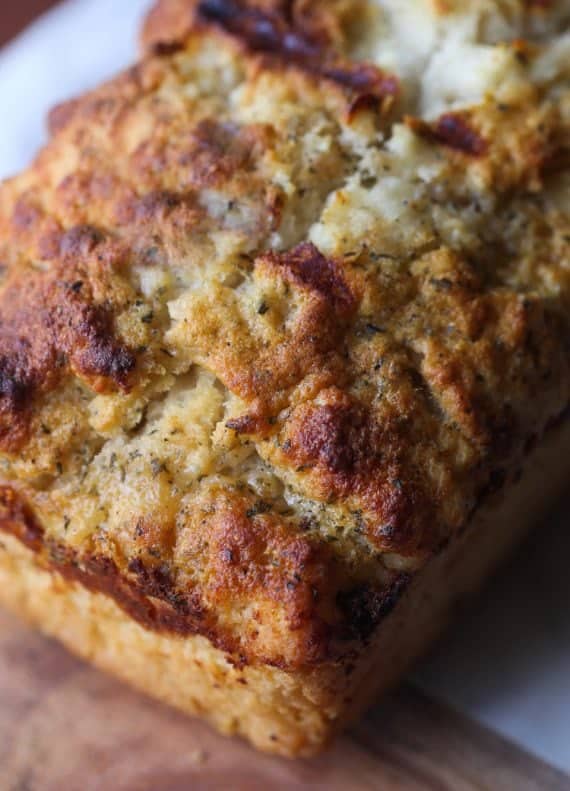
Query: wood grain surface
pixel 15 15
pixel 65 726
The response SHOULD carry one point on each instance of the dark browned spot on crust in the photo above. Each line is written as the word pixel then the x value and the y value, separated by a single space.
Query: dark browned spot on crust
pixel 305 266
pixel 452 130
pixel 147 597
pixel 165 48
pixel 156 581
pixel 286 34
pixel 364 607
pixel 51 325
pixel 17 519
pixel 80 241
pixel 263 30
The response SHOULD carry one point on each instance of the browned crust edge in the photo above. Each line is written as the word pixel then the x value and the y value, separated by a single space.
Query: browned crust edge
pixel 152 600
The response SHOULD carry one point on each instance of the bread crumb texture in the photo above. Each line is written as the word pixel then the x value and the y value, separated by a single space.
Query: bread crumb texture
pixel 281 305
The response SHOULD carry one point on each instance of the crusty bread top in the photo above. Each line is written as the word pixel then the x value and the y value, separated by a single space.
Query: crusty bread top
pixel 283 304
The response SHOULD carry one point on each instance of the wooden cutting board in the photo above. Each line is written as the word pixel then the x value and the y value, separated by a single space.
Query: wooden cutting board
pixel 66 727
pixel 15 16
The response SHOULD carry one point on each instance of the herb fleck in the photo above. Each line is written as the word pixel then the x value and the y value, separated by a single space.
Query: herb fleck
pixel 157 466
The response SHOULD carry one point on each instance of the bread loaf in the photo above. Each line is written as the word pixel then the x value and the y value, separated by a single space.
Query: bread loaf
pixel 285 347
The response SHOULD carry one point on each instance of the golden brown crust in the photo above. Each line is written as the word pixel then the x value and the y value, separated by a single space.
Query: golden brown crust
pixel 274 323
pixel 55 323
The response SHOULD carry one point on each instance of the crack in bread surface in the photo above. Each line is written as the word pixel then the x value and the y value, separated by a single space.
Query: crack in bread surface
pixel 284 303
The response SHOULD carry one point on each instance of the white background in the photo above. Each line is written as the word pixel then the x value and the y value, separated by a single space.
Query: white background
pixel 508 663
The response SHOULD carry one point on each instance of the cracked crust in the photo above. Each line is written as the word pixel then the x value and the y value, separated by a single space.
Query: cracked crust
pixel 282 307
